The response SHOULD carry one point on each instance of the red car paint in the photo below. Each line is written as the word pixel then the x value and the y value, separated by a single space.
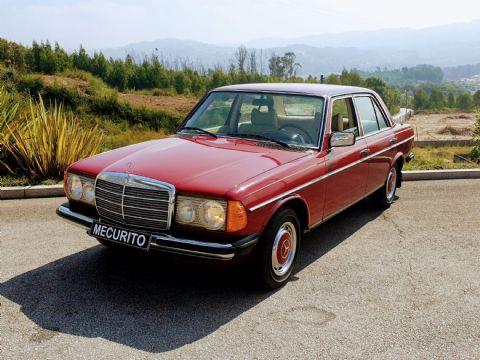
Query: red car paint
pixel 322 181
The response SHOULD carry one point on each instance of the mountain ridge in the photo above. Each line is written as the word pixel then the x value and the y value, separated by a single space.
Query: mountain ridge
pixel 446 45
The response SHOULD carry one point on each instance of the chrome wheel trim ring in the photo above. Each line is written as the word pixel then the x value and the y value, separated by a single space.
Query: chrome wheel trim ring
pixel 391 184
pixel 284 249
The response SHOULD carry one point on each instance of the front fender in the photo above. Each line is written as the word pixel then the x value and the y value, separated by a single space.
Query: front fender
pixel 297 202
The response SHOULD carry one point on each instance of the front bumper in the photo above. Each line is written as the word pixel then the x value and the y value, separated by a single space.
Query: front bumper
pixel 169 243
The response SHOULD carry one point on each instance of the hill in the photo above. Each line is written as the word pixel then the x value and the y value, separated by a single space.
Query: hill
pixel 448 45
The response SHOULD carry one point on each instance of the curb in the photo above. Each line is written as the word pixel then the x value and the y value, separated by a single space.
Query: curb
pixel 440 174
pixel 46 191
pixel 28 192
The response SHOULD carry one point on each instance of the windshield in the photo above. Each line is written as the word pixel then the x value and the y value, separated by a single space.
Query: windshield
pixel 284 118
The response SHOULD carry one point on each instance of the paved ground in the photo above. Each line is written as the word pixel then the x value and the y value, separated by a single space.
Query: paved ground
pixel 400 284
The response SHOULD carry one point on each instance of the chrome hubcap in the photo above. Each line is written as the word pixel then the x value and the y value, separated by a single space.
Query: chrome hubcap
pixel 391 184
pixel 284 249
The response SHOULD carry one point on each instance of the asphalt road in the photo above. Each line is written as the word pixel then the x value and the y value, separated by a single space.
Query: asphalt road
pixel 404 283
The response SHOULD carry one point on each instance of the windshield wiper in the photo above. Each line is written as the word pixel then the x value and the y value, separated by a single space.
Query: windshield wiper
pixel 199 130
pixel 261 137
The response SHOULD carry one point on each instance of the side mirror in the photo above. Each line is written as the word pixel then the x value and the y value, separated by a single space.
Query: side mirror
pixel 338 139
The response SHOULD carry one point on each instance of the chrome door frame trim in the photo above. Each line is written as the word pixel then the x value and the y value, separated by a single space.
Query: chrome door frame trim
pixel 311 182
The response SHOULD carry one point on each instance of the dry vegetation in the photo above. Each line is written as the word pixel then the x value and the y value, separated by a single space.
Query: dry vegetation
pixel 456 126
pixel 179 103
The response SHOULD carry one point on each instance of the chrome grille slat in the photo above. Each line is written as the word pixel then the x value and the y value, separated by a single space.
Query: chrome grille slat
pixel 108 210
pixel 109 186
pixel 101 203
pixel 146 214
pixel 143 208
pixel 134 200
pixel 146 204
pixel 130 191
pixel 139 197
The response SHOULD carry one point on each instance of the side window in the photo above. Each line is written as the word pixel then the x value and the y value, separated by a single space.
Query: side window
pixel 343 116
pixel 381 119
pixel 367 114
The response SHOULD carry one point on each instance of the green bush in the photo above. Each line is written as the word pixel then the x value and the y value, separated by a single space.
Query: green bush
pixel 475 153
pixel 118 111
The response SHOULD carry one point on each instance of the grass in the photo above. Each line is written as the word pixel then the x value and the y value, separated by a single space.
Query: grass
pixel 19 180
pixel 440 158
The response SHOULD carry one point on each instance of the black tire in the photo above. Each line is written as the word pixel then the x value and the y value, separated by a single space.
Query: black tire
pixel 280 223
pixel 385 196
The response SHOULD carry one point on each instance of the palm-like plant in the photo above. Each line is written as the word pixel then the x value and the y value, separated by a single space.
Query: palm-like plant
pixel 44 141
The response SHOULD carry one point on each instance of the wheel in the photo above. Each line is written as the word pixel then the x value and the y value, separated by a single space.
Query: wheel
pixel 278 249
pixel 385 196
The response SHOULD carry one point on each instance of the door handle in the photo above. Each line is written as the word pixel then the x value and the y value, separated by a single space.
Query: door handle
pixel 364 152
pixel 393 140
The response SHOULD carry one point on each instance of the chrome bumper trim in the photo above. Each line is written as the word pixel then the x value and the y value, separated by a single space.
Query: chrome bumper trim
pixel 172 244
pixel 410 157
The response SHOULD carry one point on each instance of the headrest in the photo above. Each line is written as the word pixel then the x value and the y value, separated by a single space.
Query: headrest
pixel 268 118
pixel 337 122
pixel 268 101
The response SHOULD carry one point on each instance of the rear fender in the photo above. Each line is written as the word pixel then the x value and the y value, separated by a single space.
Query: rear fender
pixel 398 157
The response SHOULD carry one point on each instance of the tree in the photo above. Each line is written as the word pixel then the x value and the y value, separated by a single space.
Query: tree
pixel 420 99
pixel 283 67
pixel 465 101
pixel 451 100
pixel 252 66
pixel 290 65
pixel 276 66
pixel 181 83
pixel 437 100
pixel 241 57
pixel 99 65
pixel 476 98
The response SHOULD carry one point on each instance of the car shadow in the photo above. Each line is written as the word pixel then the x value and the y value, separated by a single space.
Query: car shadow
pixel 152 303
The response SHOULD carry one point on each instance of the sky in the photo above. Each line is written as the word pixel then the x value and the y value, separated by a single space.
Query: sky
pixel 110 23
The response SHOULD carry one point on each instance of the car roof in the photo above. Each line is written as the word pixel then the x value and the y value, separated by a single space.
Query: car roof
pixel 297 88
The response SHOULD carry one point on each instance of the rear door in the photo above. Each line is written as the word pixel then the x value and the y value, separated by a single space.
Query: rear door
pixel 347 176
pixel 379 136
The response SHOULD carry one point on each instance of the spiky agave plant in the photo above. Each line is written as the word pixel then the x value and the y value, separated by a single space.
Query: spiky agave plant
pixel 47 140
pixel 9 111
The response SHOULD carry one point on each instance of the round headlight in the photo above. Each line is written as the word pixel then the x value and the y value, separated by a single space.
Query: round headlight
pixel 89 193
pixel 213 215
pixel 75 187
pixel 186 212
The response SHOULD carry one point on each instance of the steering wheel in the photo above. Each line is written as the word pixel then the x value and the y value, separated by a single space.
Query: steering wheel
pixel 299 135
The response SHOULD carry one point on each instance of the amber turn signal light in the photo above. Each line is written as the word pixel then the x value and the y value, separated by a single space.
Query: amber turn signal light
pixel 236 216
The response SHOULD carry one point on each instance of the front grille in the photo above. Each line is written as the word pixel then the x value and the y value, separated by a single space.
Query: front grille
pixel 134 200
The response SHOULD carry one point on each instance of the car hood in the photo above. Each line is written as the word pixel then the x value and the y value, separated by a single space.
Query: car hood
pixel 196 164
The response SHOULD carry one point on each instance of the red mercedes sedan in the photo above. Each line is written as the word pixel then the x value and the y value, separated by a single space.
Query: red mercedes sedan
pixel 251 169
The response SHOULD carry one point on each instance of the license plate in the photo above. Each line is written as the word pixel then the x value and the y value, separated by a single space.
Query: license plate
pixel 137 239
